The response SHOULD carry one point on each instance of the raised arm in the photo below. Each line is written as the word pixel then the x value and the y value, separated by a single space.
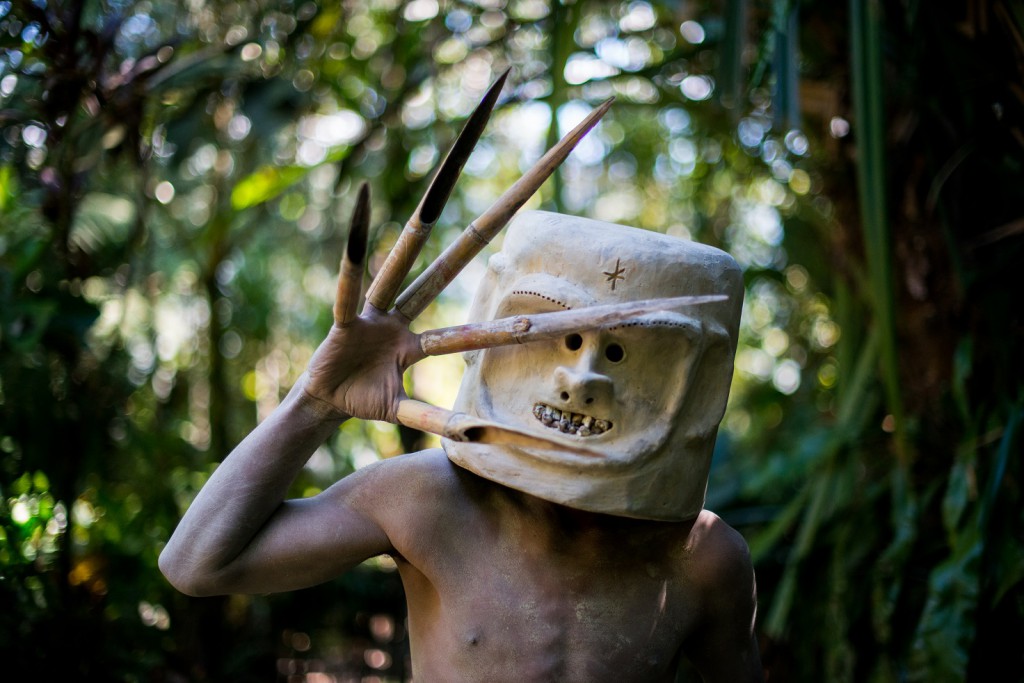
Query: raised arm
pixel 239 535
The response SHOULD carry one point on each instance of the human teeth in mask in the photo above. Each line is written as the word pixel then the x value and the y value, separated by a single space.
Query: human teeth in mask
pixel 646 395
pixel 570 423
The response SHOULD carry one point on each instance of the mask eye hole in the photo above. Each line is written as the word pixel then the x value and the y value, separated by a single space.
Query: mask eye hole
pixel 573 342
pixel 614 353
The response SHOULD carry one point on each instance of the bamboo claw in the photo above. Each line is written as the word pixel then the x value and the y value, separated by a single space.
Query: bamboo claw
pixel 434 200
pixel 398 263
pixel 350 276
pixel 480 232
pixel 417 230
pixel 521 329
pixel 426 418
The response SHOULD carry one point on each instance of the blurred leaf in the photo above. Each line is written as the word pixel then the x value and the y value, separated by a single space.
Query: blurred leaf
pixel 1007 447
pixel 272 105
pixel 326 22
pixel 26 322
pixel 767 539
pixel 959 493
pixel 265 184
pixel 270 181
pixel 814 514
pixel 186 123
pixel 868 89
pixel 102 221
pixel 946 629
pixel 8 187
pixel 24 255
pixel 734 42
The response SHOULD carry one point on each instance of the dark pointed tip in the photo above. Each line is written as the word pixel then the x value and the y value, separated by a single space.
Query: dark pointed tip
pixel 499 82
pixel 560 151
pixel 483 110
pixel 567 143
pixel 444 181
pixel 360 227
pixel 599 111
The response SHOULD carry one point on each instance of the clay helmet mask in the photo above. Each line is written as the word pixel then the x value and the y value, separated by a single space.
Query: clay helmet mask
pixel 647 395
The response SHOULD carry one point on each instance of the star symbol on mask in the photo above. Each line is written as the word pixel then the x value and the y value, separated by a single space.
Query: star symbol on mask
pixel 615 275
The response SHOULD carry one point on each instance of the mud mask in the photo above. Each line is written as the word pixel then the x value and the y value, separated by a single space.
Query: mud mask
pixel 647 396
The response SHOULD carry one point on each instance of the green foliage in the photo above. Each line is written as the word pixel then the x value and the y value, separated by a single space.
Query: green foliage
pixel 175 181
pixel 896 530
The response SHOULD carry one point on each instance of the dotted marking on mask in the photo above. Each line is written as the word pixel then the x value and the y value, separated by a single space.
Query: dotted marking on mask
pixel 649 323
pixel 546 298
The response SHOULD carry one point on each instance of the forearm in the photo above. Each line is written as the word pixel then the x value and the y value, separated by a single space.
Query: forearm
pixel 244 492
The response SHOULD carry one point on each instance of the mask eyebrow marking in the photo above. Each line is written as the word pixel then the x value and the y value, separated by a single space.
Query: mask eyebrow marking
pixel 691 328
pixel 525 292
pixel 650 323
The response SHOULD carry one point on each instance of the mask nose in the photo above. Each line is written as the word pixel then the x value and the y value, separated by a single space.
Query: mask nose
pixel 581 389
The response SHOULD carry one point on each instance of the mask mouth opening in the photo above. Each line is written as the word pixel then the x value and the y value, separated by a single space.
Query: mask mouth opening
pixel 577 424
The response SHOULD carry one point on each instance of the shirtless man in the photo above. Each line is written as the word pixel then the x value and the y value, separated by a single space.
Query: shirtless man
pixel 520 563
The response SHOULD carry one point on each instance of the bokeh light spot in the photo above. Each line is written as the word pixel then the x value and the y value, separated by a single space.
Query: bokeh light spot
pixel 692 32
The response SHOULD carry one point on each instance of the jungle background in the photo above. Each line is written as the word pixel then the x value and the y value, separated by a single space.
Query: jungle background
pixel 175 185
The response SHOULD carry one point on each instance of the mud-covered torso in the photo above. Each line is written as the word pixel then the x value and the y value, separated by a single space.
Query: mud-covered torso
pixel 502 586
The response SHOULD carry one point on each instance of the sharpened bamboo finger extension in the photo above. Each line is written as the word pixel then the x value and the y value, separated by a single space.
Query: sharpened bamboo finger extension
pixel 417 230
pixel 480 232
pixel 520 329
pixel 350 275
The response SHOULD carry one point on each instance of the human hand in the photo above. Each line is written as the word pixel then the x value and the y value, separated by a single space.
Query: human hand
pixel 357 370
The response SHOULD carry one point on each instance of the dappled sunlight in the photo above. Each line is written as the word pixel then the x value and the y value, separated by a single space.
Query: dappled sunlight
pixel 173 213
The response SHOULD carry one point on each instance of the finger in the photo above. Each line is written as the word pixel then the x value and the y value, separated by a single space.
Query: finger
pixel 465 428
pixel 480 232
pixel 350 277
pixel 520 329
pixel 402 257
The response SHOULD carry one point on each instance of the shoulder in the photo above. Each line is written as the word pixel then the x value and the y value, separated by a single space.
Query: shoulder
pixel 432 464
pixel 723 645
pixel 719 568
pixel 414 498
pixel 402 481
pixel 717 553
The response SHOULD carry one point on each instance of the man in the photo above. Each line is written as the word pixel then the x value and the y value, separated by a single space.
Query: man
pixel 568 542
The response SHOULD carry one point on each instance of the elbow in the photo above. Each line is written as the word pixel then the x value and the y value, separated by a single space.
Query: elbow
pixel 184 577
pixel 170 567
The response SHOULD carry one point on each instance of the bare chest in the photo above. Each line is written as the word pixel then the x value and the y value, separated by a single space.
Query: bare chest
pixel 508 612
